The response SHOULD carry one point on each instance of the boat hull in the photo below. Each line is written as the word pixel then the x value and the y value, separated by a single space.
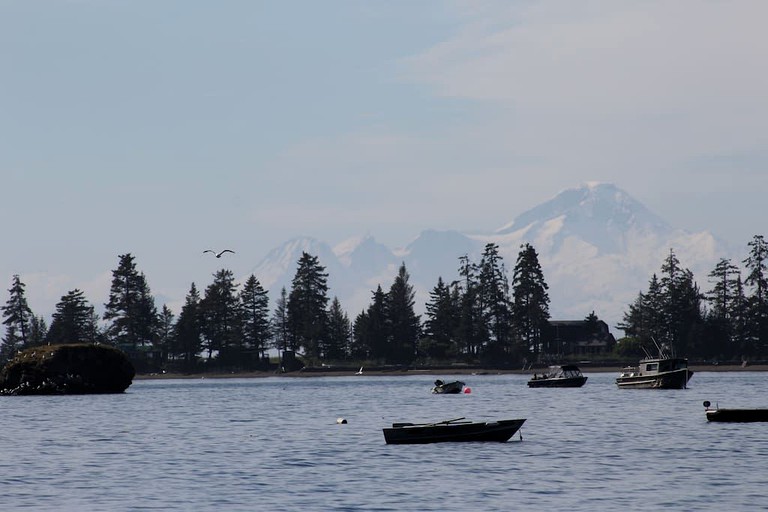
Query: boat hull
pixel 448 388
pixel 737 415
pixel 492 431
pixel 676 379
pixel 570 382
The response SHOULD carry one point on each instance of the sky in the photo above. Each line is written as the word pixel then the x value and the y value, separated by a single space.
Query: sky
pixel 164 128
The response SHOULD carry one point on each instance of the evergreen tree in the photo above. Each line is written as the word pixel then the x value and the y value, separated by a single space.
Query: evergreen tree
pixel 591 321
pixel 682 306
pixel 471 328
pixel 307 306
pixel 720 320
pixel 360 349
pixel 756 266
pixel 11 345
pixel 645 319
pixel 721 297
pixel 165 333
pixel 670 313
pixel 339 333
pixel 74 320
pixel 530 309
pixel 131 308
pixel 280 324
pixel 495 303
pixel 441 324
pixel 757 301
pixel 17 318
pixel 187 331
pixel 220 319
pixel 739 320
pixel 256 327
pixel 38 331
pixel 404 326
pixel 376 334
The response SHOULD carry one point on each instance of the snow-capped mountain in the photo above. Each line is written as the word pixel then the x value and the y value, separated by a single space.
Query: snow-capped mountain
pixel 597 246
pixel 601 215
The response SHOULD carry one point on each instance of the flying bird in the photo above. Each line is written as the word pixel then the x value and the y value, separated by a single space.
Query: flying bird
pixel 218 255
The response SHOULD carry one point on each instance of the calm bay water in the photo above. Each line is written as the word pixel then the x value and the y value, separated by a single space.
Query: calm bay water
pixel 273 444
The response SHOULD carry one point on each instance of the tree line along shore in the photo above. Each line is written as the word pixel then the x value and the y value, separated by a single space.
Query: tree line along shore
pixel 352 373
pixel 486 317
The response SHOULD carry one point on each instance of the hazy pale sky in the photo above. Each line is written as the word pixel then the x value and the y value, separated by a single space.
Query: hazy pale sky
pixel 163 128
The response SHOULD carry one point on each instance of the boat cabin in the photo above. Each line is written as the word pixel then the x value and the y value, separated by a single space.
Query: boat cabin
pixel 651 366
pixel 562 372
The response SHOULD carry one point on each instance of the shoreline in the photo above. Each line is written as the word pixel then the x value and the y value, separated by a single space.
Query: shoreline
pixel 425 371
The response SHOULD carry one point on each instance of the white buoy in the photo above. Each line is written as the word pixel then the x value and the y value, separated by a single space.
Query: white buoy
pixel 341 421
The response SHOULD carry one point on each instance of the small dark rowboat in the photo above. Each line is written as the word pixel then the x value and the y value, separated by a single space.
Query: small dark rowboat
pixel 447 388
pixel 735 415
pixel 452 431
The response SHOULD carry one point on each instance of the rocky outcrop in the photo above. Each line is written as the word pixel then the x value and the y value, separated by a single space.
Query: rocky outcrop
pixel 67 369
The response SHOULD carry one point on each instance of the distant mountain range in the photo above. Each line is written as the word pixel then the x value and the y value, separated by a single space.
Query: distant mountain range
pixel 597 246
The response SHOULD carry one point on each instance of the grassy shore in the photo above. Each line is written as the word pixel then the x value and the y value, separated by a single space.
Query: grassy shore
pixel 426 371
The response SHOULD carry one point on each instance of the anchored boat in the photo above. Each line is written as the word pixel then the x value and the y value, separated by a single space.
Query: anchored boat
pixel 454 430
pixel 662 372
pixel 563 376
pixel 447 387
pixel 734 415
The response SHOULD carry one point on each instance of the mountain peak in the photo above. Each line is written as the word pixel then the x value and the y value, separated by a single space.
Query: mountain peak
pixel 597 246
pixel 589 212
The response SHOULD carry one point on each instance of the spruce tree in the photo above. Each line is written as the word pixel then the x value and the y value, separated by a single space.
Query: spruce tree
pixel 131 310
pixel 360 348
pixel 720 320
pixel 646 319
pixel 376 333
pixel 307 306
pixel 739 319
pixel 721 296
pixel 669 314
pixel 165 333
pixel 404 325
pixel 254 301
pixel 471 327
pixel 757 300
pixel 38 331
pixel 530 309
pixel 336 347
pixel 220 319
pixel 74 320
pixel 187 331
pixel 756 267
pixel 441 324
pixel 17 318
pixel 280 334
pixel 682 305
pixel 495 302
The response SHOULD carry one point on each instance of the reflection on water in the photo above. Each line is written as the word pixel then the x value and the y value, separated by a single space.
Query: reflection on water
pixel 268 444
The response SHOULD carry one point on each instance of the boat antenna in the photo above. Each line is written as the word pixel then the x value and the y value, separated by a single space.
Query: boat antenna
pixel 662 354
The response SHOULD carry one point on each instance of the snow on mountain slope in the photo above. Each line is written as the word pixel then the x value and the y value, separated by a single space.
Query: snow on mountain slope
pixel 597 246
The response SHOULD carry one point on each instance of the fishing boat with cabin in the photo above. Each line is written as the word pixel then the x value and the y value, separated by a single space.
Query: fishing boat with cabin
pixel 662 372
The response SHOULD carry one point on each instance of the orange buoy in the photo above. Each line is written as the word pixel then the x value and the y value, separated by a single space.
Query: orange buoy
pixel 467 391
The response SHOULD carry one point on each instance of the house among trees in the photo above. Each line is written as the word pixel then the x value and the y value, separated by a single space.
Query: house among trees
pixel 580 337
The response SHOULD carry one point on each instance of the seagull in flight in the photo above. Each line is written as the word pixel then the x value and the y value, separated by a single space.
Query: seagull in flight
pixel 218 255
